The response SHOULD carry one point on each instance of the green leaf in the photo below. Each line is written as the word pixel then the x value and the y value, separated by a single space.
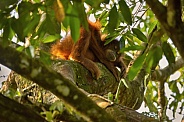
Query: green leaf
pixel 3 20
pixel 139 34
pixel 113 19
pixel 45 58
pixel 79 6
pixel 20 48
pixel 153 58
pixel 28 20
pixel 18 29
pixel 110 96
pixel 57 106
pixel 152 26
pixel 30 51
pixel 93 3
pixel 122 42
pixel 149 98
pixel 51 25
pixel 49 116
pixel 6 3
pixel 173 87
pixel 125 12
pixel 157 55
pixel 51 38
pixel 129 37
pixel 6 34
pixel 102 17
pixel 106 1
pixel 135 68
pixel 30 28
pixel 157 36
pixel 168 53
pixel 41 31
pixel 75 28
pixel 66 21
pixel 110 39
pixel 37 1
pixel 75 25
pixel 133 47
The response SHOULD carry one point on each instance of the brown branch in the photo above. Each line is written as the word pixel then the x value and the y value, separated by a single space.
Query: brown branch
pixel 75 73
pixel 161 101
pixel 64 87
pixel 174 30
pixel 174 12
pixel 14 110
pixel 163 74
pixel 131 97
pixel 159 9
pixel 34 70
pixel 121 113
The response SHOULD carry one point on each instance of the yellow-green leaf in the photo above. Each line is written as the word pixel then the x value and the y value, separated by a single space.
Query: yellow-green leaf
pixel 139 34
pixel 51 38
pixel 135 68
pixel 75 28
pixel 75 24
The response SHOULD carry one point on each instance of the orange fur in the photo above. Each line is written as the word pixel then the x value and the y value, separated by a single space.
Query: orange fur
pixel 89 49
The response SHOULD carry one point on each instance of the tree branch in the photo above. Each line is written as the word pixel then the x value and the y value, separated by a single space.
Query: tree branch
pixel 131 97
pixel 163 74
pixel 174 13
pixel 121 113
pixel 159 9
pixel 162 101
pixel 18 111
pixel 63 88
pixel 170 19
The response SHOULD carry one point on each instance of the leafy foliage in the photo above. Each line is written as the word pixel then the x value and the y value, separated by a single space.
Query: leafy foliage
pixel 36 22
pixel 168 52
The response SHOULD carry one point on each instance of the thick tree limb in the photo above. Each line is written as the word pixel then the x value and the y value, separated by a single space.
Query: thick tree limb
pixel 18 112
pixel 57 84
pixel 121 113
pixel 64 88
pixel 131 97
pixel 174 12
